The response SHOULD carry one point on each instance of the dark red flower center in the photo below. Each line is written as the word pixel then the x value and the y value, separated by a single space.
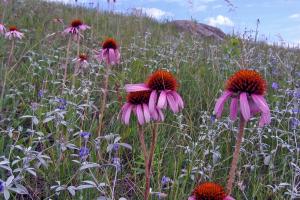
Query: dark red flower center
pixel 75 23
pixel 83 57
pixel 138 98
pixel 109 43
pixel 13 28
pixel 248 81
pixel 162 80
pixel 209 191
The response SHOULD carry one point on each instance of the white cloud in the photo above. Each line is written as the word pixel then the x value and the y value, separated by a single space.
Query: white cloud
pixel 220 20
pixel 294 16
pixel 156 13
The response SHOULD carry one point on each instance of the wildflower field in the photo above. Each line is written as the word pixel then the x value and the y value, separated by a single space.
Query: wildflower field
pixel 96 105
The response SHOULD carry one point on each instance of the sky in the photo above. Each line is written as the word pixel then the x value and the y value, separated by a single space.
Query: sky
pixel 279 20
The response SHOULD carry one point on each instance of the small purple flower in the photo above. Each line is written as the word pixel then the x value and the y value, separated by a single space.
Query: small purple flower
pixel 165 180
pixel 213 118
pixel 117 162
pixel 84 153
pixel 85 135
pixel 275 86
pixel 1 186
pixel 62 103
pixel 295 123
pixel 41 93
pixel 34 106
pixel 116 147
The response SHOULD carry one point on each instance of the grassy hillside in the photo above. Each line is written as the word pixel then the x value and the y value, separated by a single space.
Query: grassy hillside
pixel 40 123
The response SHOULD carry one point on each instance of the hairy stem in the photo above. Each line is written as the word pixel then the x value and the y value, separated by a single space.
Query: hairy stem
pixel 66 64
pixel 147 171
pixel 236 153
pixel 102 107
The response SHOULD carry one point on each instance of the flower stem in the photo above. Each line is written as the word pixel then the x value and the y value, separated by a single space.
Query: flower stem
pixel 102 107
pixel 152 147
pixel 147 171
pixel 66 64
pixel 236 153
pixel 11 52
pixel 77 65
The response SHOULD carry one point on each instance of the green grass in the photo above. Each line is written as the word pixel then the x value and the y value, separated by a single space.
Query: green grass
pixel 186 141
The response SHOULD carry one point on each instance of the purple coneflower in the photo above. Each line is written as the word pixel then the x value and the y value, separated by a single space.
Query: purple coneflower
pixel 211 191
pixel 76 26
pixel 2 29
pixel 163 86
pixel 81 63
pixel 247 88
pixel 138 103
pixel 13 33
pixel 110 52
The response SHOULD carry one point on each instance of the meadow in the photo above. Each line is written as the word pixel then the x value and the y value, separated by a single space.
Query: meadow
pixel 46 119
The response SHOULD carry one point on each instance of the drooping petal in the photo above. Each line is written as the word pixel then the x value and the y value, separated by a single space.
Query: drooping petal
pixel 126 113
pixel 244 106
pixel 264 119
pixel 172 103
pixel 233 109
pixel 152 101
pixel 162 99
pixel 118 56
pixel 220 103
pixel 229 198
pixel 161 115
pixel 253 107
pixel 146 113
pixel 178 99
pixel 111 57
pixel 261 103
pixel 192 198
pixel 139 114
pixel 136 87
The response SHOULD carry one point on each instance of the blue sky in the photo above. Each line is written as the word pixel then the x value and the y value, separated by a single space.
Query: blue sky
pixel 279 19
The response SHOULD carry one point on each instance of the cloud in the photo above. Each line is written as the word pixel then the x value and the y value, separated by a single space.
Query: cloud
pixel 294 16
pixel 155 13
pixel 220 20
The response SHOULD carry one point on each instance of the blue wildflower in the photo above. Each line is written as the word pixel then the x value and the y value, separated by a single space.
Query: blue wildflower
pixel 85 135
pixel 41 93
pixel 275 86
pixel 165 180
pixel 117 162
pixel 84 153
pixel 116 147
pixel 1 186
pixel 62 103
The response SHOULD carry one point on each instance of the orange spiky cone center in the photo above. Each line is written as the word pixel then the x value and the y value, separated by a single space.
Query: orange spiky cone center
pixel 109 43
pixel 13 28
pixel 209 191
pixel 162 80
pixel 76 22
pixel 139 97
pixel 83 57
pixel 248 81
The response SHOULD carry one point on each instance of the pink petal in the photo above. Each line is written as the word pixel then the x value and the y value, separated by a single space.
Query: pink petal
pixel 253 107
pixel 118 56
pixel 112 57
pixel 192 198
pixel 127 108
pixel 161 115
pixel 178 99
pixel 172 103
pixel 146 113
pixel 136 87
pixel 140 115
pixel 220 103
pixel 229 198
pixel 261 103
pixel 152 101
pixel 162 99
pixel 233 109
pixel 244 106
pixel 264 119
